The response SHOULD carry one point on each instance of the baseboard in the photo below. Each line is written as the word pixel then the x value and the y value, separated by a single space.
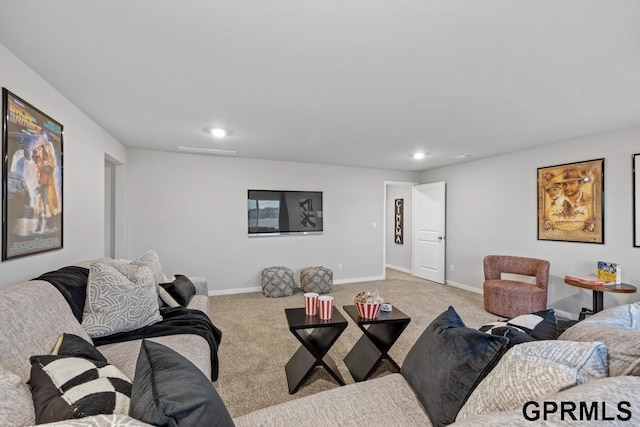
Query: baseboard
pixel 402 269
pixel 259 289
pixel 358 279
pixel 235 291
pixel 465 287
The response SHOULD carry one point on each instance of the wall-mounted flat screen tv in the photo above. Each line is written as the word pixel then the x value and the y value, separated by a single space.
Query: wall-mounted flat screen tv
pixel 273 212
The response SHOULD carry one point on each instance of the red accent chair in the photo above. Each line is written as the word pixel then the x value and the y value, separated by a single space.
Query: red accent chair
pixel 511 298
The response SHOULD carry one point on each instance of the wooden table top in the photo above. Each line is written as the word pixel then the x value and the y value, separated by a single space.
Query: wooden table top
pixel 622 288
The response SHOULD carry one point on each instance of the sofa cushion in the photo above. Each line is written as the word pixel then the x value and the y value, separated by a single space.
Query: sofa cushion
pixel 74 387
pixel 178 292
pixel 540 325
pixel 619 329
pixel 74 346
pixel 532 370
pixel 447 362
pixel 115 303
pixel 125 354
pixel 611 397
pixel 33 315
pixel 386 401
pixel 588 358
pixel 170 390
pixel 16 405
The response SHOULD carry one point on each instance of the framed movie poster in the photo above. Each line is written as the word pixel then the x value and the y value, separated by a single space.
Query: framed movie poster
pixel 635 167
pixel 32 179
pixel 570 202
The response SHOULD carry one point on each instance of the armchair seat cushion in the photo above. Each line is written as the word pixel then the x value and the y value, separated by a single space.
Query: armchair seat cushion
pixel 511 298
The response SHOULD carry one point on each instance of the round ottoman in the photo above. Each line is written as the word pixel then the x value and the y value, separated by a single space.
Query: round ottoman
pixel 277 282
pixel 316 279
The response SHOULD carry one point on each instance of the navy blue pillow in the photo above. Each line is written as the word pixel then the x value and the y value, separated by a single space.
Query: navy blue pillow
pixel 169 390
pixel 446 364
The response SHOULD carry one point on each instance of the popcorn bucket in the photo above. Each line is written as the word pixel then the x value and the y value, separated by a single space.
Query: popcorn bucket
pixel 325 307
pixel 368 310
pixel 310 303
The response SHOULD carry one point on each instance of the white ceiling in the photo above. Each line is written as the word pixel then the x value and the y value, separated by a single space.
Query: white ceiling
pixel 348 82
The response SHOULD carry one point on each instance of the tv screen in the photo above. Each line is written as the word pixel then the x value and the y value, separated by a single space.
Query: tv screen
pixel 273 212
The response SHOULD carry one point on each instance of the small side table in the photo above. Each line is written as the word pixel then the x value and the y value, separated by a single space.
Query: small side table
pixel 598 294
pixel 315 345
pixel 378 337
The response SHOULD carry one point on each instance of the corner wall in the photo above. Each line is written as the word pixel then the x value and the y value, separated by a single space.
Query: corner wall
pixel 85 146
pixel 193 211
pixel 492 209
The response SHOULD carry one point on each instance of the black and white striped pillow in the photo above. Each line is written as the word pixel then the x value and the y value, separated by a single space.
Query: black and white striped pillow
pixel 540 325
pixel 74 387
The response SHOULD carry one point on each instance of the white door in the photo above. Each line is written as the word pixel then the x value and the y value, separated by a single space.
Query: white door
pixel 428 231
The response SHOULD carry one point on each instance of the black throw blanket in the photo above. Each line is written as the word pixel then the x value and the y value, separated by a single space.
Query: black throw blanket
pixel 71 281
pixel 175 321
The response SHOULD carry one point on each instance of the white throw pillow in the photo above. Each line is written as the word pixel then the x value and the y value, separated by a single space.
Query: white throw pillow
pixel 117 303
pixel 150 259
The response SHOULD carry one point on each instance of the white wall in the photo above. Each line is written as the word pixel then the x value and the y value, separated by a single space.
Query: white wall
pixel 193 211
pixel 399 256
pixel 85 145
pixel 492 205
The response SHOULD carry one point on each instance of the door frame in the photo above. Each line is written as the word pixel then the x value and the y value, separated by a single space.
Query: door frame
pixel 384 221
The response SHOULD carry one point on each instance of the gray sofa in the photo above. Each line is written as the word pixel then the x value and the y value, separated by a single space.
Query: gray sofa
pixel 34 314
pixel 576 368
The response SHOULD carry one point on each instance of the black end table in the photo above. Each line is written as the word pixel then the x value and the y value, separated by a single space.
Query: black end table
pixel 379 336
pixel 315 345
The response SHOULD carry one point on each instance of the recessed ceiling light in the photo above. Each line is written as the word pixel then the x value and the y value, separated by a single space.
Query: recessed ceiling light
pixel 464 156
pixel 419 156
pixel 218 132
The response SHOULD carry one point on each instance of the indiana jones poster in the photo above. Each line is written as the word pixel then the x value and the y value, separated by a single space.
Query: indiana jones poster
pixel 570 202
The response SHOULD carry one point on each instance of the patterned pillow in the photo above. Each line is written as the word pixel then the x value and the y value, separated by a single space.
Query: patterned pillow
pixel 150 259
pixel 73 387
pixel 534 369
pixel 540 325
pixel 619 329
pixel 117 304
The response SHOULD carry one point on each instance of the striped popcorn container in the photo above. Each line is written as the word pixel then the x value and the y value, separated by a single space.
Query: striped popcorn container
pixel 368 310
pixel 325 307
pixel 310 303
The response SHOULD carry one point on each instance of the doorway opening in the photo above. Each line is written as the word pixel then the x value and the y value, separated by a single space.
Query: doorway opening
pixel 397 253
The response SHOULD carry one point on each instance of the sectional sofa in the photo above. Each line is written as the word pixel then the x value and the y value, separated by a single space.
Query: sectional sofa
pixel 587 376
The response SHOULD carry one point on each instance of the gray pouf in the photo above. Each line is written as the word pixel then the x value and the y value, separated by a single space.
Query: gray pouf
pixel 277 282
pixel 316 279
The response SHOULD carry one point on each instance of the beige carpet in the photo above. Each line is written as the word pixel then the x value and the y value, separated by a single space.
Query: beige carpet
pixel 257 343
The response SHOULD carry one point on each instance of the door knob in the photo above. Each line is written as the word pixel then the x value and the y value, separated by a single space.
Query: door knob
pixel 440 237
